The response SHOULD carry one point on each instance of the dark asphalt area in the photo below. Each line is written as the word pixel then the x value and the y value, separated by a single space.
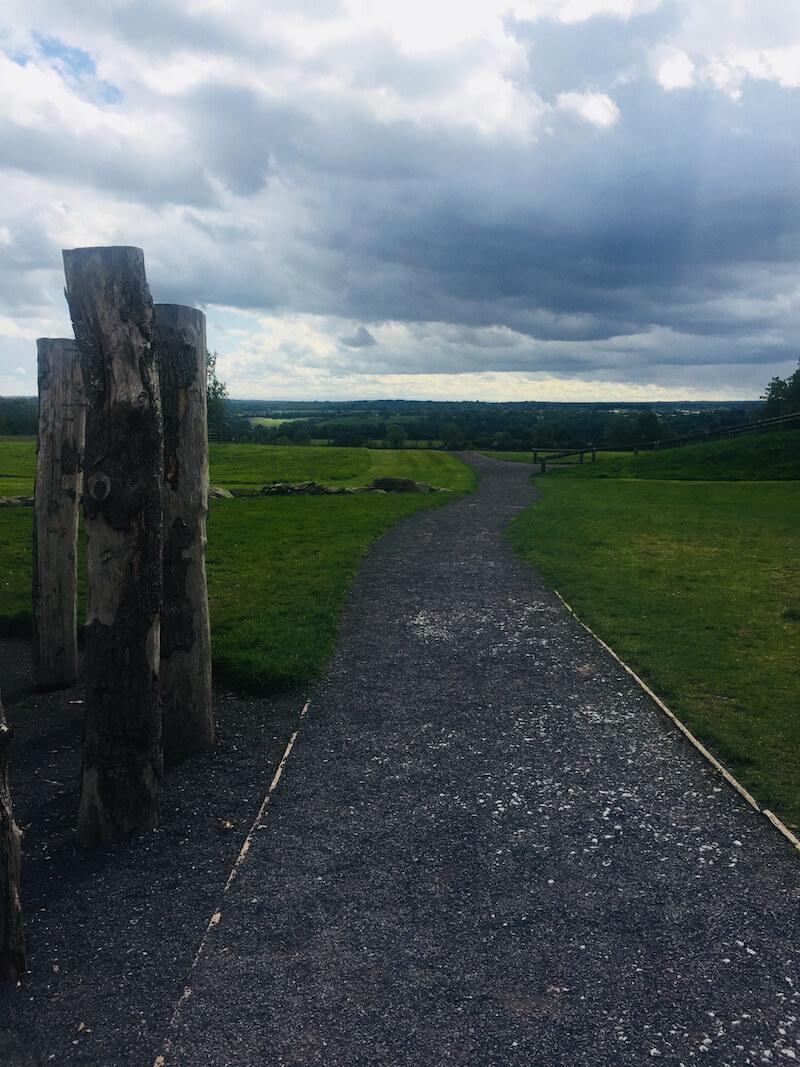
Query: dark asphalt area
pixel 487 848
pixel 490 848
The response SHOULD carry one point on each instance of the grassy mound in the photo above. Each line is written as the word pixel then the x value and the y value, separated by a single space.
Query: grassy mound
pixel 752 457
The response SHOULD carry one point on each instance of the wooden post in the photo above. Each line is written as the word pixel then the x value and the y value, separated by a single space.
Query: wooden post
pixel 535 455
pixel 112 315
pixel 594 455
pixel 55 516
pixel 542 466
pixel 12 939
pixel 188 719
pixel 580 454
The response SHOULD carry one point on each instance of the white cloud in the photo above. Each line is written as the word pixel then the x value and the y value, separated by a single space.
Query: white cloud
pixel 675 70
pixel 596 108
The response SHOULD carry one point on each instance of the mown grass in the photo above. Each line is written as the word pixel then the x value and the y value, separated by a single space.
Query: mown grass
pixel 248 466
pixel 697 585
pixel 752 457
pixel 17 465
pixel 251 466
pixel 527 457
pixel 278 568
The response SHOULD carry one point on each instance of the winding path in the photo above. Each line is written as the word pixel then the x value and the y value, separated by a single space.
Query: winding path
pixel 489 848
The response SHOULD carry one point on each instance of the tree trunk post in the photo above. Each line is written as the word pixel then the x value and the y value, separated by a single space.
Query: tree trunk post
pixel 12 939
pixel 112 315
pixel 188 719
pixel 55 516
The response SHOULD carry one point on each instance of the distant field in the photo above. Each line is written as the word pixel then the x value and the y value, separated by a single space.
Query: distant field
pixel 263 420
pixel 697 585
pixel 278 568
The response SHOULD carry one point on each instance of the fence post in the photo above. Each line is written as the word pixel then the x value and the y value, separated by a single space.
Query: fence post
pixel 188 720
pixel 12 938
pixel 112 315
pixel 55 515
pixel 542 466
pixel 580 454
pixel 594 455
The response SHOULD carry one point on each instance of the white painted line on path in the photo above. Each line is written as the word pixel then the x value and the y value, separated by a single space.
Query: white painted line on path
pixel 160 1060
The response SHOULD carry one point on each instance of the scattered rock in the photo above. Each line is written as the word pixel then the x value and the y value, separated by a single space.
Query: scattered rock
pixel 294 489
pixel 403 485
pixel 396 485
pixel 245 492
pixel 216 492
pixel 16 501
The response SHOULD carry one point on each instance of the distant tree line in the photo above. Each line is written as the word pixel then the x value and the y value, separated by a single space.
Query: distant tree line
pixel 454 425
pixel 18 415
pixel 518 427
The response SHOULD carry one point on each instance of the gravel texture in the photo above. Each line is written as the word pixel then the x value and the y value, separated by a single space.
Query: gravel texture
pixel 487 847
pixel 111 934
pixel 490 848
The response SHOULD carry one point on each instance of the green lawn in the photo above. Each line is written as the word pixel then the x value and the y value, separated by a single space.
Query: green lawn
pixel 527 457
pixel 248 466
pixel 697 585
pixel 751 457
pixel 278 568
pixel 17 465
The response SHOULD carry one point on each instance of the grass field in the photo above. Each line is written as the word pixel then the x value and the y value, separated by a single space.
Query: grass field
pixel 17 465
pixel 278 568
pixel 527 457
pixel 697 585
pixel 265 420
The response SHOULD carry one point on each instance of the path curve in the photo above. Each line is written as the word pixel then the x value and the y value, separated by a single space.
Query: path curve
pixel 490 848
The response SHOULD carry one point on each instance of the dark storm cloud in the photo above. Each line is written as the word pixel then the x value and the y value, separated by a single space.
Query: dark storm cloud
pixel 362 338
pixel 666 238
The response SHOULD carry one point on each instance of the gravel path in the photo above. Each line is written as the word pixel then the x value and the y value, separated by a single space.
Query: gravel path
pixel 489 848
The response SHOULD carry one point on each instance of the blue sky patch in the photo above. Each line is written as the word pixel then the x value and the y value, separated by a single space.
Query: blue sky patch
pixel 79 68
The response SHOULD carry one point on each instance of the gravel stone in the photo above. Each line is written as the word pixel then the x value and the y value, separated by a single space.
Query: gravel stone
pixel 489 847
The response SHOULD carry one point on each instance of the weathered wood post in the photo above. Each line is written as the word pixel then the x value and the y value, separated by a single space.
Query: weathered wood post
pixel 55 516
pixel 542 466
pixel 188 719
pixel 112 315
pixel 12 940
pixel 581 456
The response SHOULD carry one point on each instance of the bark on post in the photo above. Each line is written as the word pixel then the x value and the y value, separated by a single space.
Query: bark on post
pixel 12 940
pixel 112 315
pixel 55 525
pixel 188 720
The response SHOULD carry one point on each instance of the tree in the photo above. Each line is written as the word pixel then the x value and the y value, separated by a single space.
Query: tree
pixel 396 436
pixel 782 395
pixel 452 435
pixel 217 398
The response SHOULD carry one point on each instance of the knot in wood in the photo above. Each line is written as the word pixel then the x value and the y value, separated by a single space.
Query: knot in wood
pixel 99 487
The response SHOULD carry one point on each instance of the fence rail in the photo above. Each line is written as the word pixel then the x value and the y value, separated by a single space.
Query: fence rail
pixel 543 456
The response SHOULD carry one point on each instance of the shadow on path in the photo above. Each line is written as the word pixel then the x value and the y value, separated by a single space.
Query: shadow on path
pixel 489 848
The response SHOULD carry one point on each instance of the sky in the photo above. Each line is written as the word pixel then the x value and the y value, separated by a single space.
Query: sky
pixel 449 199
